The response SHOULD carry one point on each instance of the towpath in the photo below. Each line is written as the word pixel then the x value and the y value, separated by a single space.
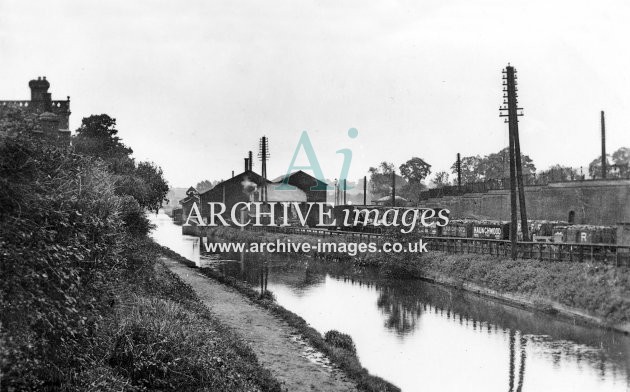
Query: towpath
pixel 277 345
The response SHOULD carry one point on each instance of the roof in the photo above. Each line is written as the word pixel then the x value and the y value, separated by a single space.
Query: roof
pixel 299 173
pixel 301 180
pixel 250 175
pixel 388 198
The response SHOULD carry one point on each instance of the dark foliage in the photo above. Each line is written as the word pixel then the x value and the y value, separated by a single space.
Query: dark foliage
pixel 340 340
pixel 85 305
pixel 97 137
pixel 59 238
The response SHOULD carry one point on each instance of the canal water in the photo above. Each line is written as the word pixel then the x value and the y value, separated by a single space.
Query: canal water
pixel 426 337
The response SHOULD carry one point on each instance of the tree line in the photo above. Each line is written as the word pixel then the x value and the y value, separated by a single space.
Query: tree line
pixel 412 174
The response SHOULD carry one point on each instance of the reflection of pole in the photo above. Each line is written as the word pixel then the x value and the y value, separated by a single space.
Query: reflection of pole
pixel 266 276
pixel 521 370
pixel 512 360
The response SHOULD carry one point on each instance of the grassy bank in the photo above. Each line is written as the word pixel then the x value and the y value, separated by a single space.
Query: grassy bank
pixel 338 349
pixel 598 290
pixel 152 333
pixel 162 337
pixel 85 303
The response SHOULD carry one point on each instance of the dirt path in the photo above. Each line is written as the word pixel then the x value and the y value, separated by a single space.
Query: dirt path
pixel 278 346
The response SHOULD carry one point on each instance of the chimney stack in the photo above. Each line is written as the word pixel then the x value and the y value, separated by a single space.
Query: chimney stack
pixel 246 164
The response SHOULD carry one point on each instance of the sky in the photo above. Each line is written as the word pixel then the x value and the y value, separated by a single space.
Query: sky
pixel 195 84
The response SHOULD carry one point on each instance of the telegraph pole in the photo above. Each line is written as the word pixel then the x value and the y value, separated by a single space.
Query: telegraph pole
pixel 393 189
pixel 263 154
pixel 459 173
pixel 603 146
pixel 516 173
pixel 364 190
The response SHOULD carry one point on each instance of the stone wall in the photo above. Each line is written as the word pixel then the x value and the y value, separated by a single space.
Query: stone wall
pixel 597 202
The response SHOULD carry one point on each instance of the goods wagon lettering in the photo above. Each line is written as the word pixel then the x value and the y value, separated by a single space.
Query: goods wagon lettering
pixel 486 231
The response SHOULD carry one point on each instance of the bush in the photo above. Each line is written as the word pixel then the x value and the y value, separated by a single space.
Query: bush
pixel 84 304
pixel 134 217
pixel 267 295
pixel 60 235
pixel 340 340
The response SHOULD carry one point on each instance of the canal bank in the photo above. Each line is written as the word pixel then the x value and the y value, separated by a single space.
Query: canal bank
pixel 594 294
pixel 419 335
pixel 295 353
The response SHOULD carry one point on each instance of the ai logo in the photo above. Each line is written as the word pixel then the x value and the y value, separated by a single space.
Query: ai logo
pixel 305 143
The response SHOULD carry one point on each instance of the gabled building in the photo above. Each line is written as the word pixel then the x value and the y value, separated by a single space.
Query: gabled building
pixel 314 189
pixel 245 187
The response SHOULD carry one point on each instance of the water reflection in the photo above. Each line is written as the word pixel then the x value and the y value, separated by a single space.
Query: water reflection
pixel 425 337
pixel 402 312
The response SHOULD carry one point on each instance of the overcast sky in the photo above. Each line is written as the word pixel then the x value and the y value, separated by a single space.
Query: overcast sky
pixel 194 84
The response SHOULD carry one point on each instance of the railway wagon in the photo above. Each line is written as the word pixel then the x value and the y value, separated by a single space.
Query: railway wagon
pixel 588 234
pixel 433 230
pixel 496 230
pixel 458 228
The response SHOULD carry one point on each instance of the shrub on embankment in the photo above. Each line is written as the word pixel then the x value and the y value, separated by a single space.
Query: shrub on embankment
pixel 82 297
pixel 340 340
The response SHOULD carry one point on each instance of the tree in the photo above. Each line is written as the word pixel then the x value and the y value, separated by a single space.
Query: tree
pixel 621 158
pixel 497 166
pixel 560 173
pixel 204 185
pixel 494 166
pixel 595 167
pixel 441 179
pixel 157 187
pixel 381 179
pixel 415 170
pixel 97 137
pixel 470 169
